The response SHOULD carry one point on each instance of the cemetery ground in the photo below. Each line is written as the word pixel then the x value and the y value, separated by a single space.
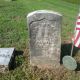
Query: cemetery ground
pixel 14 33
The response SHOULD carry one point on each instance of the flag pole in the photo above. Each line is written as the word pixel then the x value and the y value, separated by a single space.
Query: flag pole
pixel 73 41
pixel 72 48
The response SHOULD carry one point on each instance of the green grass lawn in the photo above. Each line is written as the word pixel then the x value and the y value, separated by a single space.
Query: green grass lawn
pixel 73 1
pixel 14 33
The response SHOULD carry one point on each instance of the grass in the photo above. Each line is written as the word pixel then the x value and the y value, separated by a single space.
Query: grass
pixel 73 1
pixel 14 33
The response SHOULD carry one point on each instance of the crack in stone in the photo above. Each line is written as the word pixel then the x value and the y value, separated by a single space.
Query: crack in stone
pixel 40 20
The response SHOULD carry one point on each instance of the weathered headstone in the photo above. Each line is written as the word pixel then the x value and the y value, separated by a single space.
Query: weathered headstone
pixel 5 57
pixel 45 38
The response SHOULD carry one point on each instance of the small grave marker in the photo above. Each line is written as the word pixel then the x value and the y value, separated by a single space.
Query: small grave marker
pixel 5 58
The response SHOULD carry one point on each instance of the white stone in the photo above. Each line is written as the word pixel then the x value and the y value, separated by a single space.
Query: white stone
pixel 5 56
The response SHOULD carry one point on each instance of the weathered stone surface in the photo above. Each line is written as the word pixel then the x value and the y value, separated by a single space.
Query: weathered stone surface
pixel 45 38
pixel 5 57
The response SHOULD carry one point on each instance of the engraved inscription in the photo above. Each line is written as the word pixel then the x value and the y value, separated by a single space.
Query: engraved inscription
pixel 45 37
pixel 4 53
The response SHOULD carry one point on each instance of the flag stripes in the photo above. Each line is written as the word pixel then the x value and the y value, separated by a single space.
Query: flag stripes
pixel 76 39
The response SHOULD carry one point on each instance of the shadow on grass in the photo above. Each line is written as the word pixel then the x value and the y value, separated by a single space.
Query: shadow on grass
pixel 66 50
pixel 15 63
pixel 78 67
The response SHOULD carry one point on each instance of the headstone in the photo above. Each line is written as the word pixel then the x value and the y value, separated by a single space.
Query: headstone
pixel 5 57
pixel 45 38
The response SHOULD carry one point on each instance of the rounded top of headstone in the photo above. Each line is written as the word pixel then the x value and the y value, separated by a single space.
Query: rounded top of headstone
pixel 43 12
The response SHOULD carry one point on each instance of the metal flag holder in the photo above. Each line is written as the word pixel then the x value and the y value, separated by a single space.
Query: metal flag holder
pixel 69 62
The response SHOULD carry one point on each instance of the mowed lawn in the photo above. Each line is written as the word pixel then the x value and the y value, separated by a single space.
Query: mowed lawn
pixel 14 33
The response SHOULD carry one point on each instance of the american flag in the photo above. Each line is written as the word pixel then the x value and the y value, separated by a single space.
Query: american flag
pixel 76 39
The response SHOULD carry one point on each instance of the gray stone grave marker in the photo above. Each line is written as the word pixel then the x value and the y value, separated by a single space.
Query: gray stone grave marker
pixel 5 57
pixel 45 38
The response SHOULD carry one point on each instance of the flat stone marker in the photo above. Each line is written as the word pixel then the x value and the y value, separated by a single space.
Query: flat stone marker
pixel 45 38
pixel 5 57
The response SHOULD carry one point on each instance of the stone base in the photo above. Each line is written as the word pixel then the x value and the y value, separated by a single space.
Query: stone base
pixel 43 63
